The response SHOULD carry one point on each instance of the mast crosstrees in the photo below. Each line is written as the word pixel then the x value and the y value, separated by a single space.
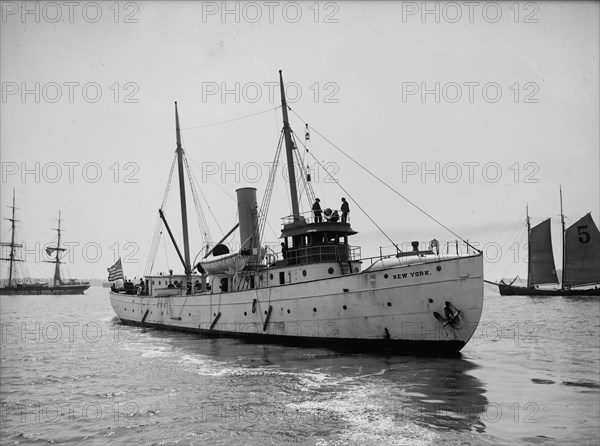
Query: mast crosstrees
pixel 11 257
pixel 58 286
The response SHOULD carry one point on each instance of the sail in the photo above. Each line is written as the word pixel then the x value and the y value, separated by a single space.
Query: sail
pixel 541 257
pixel 49 251
pixel 582 253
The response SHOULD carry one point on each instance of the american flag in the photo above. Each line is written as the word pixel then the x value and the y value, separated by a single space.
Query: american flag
pixel 115 272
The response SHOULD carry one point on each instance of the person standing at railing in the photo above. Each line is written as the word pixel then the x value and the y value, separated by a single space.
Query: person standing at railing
pixel 316 207
pixel 434 245
pixel 345 208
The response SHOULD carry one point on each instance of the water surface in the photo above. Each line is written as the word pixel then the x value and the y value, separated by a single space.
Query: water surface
pixel 71 373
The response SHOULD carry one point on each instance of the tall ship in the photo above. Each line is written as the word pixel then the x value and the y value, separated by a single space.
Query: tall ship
pixel 580 260
pixel 25 285
pixel 316 290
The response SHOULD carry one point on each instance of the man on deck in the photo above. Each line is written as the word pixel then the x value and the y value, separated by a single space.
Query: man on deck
pixel 316 207
pixel 345 208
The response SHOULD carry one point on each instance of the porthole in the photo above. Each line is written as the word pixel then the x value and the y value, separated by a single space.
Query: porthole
pixel 439 268
pixel 304 272
pixel 271 276
pixel 245 314
pixel 385 276
pixel 430 301
pixel 214 314
pixel 355 270
pixel 265 312
pixel 190 314
pixel 314 310
pixel 330 270
pixel 389 304
pixel 345 307
pixel 288 311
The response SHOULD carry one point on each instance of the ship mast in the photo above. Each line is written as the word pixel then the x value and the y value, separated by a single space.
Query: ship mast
pixel 57 259
pixel 289 146
pixel 562 221
pixel 528 246
pixel 11 256
pixel 186 245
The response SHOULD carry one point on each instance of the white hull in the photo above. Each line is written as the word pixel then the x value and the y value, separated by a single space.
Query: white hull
pixel 390 304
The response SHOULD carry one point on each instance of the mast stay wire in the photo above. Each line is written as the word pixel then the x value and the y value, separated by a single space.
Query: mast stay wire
pixel 159 224
pixel 310 194
pixel 230 120
pixel 266 201
pixel 357 204
pixel 202 223
pixel 386 185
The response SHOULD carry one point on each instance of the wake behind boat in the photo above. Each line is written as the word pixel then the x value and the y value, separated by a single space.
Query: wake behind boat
pixel 25 286
pixel 317 290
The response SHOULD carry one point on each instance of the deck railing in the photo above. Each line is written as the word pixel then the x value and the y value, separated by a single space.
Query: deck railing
pixel 309 217
pixel 406 249
pixel 321 253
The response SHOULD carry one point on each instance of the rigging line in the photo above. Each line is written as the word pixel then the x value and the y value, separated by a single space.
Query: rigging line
pixel 166 256
pixel 349 195
pixel 388 186
pixel 266 201
pixel 516 229
pixel 200 189
pixel 145 255
pixel 231 120
pixel 310 194
pixel 158 228
pixel 169 182
pixel 202 223
pixel 358 205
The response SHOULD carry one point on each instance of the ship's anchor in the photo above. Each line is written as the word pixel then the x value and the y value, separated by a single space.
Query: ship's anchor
pixel 451 314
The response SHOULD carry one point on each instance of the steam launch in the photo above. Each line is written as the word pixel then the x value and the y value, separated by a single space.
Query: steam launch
pixel 317 289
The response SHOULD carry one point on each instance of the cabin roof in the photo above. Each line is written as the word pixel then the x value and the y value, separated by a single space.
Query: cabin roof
pixel 302 228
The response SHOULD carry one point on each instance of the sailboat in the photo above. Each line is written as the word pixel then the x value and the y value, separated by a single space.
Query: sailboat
pixel 318 290
pixel 580 264
pixel 58 286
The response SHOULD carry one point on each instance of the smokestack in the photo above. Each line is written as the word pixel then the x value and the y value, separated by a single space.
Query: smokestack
pixel 248 217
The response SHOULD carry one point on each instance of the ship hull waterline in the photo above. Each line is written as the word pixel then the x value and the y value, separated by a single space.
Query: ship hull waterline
pixel 400 309
pixel 44 290
pixel 511 290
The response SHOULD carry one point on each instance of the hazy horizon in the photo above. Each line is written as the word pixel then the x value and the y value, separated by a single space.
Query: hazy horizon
pixel 472 113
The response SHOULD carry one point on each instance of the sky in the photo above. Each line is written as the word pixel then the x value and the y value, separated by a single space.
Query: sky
pixel 471 111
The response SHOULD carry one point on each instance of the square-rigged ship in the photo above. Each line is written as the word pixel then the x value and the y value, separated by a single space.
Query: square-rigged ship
pixel 318 291
pixel 25 286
